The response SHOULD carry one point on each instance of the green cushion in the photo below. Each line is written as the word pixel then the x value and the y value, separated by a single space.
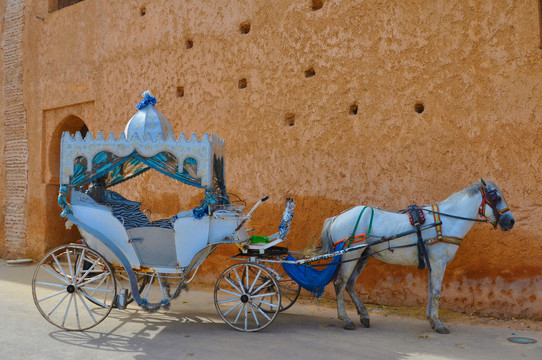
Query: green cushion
pixel 258 239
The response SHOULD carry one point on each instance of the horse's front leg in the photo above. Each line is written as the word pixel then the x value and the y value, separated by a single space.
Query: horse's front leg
pixel 435 285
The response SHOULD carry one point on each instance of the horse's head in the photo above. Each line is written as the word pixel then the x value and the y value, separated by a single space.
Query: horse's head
pixel 494 208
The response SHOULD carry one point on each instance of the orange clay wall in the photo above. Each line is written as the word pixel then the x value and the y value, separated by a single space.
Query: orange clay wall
pixel 334 103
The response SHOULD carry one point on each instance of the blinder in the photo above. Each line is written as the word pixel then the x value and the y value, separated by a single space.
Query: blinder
pixel 491 198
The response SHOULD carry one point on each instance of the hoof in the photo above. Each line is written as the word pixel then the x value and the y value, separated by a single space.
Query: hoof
pixel 350 326
pixel 366 322
pixel 442 330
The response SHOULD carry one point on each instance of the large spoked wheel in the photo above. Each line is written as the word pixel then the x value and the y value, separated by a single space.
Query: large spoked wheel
pixel 289 289
pixel 241 291
pixel 74 287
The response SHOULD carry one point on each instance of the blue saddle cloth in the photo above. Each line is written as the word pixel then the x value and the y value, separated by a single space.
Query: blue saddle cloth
pixel 310 278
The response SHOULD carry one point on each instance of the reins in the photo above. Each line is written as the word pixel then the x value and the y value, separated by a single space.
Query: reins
pixel 456 217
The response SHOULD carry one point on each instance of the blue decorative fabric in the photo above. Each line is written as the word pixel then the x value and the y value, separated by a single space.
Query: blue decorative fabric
pixel 147 100
pixel 62 192
pixel 114 170
pixel 310 278
pixel 210 200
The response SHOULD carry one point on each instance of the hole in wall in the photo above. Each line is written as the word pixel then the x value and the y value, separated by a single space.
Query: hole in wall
pixel 310 72
pixel 242 83
pixel 142 11
pixel 354 109
pixel 289 119
pixel 317 4
pixel 419 108
pixel 189 44
pixel 180 91
pixel 244 28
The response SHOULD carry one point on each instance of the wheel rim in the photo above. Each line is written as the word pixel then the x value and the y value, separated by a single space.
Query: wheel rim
pixel 70 294
pixel 241 291
pixel 289 289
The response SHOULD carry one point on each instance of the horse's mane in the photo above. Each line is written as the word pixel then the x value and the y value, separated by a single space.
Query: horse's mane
pixel 471 190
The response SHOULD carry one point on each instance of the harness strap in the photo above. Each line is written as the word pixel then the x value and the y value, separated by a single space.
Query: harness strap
pixel 440 238
pixel 357 238
pixel 436 216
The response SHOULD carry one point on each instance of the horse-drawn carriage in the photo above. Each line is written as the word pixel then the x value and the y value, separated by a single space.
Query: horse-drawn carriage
pixel 125 257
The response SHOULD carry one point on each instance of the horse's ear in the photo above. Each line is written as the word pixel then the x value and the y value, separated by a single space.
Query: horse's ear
pixel 483 182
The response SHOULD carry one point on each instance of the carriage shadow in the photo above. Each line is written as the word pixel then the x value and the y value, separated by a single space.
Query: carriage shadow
pixel 135 331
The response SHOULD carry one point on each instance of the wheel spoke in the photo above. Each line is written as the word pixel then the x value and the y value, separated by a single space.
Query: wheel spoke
pixel 60 267
pixel 65 281
pixel 57 304
pixel 263 295
pixel 53 295
pixel 287 296
pixel 52 285
pixel 80 262
pixel 227 301
pixel 236 305
pixel 262 286
pixel 88 270
pixel 246 276
pixel 67 309
pixel 229 292
pixel 239 313
pixel 76 311
pixel 254 314
pixel 92 279
pixel 262 312
pixel 233 285
pixel 255 281
pixel 98 289
pixel 94 300
pixel 70 263
pixel 239 279
pixel 246 315
pixel 266 303
pixel 86 307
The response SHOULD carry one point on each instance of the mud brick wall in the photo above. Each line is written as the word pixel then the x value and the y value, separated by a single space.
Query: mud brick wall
pixel 334 103
pixel 15 159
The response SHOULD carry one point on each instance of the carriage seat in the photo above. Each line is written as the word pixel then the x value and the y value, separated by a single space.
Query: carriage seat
pixel 129 213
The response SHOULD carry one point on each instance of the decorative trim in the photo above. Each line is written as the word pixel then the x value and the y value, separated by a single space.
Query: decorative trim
pixel 74 146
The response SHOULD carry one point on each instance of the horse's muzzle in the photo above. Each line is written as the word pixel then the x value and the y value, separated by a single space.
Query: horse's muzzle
pixel 506 222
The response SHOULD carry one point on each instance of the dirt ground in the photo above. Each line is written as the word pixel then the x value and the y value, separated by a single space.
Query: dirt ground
pixel 447 316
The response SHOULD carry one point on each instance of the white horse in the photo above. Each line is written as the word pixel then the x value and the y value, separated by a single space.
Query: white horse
pixel 457 213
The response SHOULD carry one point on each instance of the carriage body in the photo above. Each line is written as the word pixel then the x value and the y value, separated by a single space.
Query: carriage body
pixel 124 256
pixel 152 248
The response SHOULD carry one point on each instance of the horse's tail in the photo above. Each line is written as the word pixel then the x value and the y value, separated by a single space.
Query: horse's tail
pixel 320 245
pixel 326 242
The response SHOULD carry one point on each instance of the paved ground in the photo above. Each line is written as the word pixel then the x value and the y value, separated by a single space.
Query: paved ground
pixel 192 329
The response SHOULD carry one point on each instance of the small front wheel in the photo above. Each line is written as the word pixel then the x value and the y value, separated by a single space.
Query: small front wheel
pixel 240 293
pixel 74 287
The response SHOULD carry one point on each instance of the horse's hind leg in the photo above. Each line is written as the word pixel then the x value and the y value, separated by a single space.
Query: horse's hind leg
pixel 340 282
pixel 351 288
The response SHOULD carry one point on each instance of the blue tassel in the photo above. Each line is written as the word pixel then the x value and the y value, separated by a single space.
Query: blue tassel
pixel 148 99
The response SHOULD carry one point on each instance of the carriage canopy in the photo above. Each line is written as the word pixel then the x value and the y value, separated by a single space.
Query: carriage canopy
pixel 146 143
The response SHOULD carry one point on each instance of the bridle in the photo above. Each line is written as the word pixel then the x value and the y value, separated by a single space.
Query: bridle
pixel 491 198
